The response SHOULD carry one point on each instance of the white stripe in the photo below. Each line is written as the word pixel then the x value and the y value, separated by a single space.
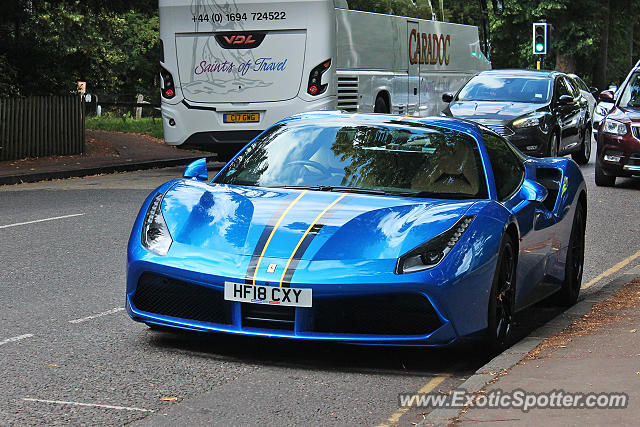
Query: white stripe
pixel 40 220
pixel 104 313
pixel 14 339
pixel 95 405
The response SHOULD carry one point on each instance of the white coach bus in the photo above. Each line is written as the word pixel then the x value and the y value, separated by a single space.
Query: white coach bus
pixel 232 68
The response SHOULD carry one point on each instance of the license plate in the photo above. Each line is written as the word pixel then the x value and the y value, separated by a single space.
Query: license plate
pixel 269 295
pixel 242 117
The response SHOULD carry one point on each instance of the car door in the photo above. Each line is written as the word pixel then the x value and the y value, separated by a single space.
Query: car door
pixel 568 115
pixel 535 221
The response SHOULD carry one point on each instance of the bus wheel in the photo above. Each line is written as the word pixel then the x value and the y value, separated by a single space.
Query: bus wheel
pixel 381 105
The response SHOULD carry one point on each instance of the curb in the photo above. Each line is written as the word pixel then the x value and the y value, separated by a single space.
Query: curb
pixel 107 169
pixel 513 355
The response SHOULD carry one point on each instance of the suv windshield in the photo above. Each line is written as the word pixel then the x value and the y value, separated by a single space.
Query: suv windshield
pixel 506 88
pixel 630 97
pixel 391 158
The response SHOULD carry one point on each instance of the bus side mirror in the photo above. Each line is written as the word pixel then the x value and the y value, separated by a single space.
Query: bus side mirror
pixel 447 97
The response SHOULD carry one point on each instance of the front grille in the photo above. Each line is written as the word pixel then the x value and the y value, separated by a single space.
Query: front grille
pixel 170 297
pixel 376 315
pixel 268 316
pixel 348 93
pixel 497 126
pixel 634 159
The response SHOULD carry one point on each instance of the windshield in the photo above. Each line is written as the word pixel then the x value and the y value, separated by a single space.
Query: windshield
pixel 506 88
pixel 347 156
pixel 630 97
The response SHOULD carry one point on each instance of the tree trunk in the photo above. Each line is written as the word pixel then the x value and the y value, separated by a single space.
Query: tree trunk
pixel 600 71
pixel 565 63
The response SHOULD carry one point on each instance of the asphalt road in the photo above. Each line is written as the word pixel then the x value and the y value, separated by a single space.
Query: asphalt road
pixel 71 355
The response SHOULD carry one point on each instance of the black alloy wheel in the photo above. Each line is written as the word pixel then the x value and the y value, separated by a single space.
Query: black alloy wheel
pixel 554 143
pixel 603 180
pixel 574 265
pixel 502 299
pixel 582 156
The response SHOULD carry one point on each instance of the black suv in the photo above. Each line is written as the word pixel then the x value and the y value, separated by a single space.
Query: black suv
pixel 541 112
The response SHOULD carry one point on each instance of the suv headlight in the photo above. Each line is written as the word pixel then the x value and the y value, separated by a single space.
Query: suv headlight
pixel 614 127
pixel 528 121
pixel 429 254
pixel 155 234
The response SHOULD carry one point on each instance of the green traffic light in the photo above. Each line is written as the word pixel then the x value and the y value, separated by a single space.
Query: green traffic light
pixel 539 47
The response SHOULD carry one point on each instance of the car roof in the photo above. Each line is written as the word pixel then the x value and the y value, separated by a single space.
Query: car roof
pixel 524 73
pixel 450 123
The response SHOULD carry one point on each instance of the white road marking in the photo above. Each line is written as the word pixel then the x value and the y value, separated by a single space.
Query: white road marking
pixel 95 316
pixel 14 339
pixel 40 220
pixel 95 405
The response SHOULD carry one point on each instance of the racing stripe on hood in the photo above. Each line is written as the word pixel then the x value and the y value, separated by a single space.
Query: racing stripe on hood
pixel 305 241
pixel 265 238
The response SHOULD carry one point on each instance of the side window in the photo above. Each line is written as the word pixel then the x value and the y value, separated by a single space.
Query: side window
pixel 508 170
pixel 561 88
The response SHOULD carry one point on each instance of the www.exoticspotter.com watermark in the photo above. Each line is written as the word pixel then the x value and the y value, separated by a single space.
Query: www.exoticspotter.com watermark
pixel 518 399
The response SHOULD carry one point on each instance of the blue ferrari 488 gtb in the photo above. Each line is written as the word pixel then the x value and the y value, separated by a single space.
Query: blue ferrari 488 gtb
pixel 371 229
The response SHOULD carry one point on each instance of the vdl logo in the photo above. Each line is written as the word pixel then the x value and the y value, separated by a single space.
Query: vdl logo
pixel 240 40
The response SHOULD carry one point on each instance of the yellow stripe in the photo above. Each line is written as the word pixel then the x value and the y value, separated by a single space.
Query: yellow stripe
pixel 275 227
pixel 611 270
pixel 353 115
pixel 307 232
pixel 393 419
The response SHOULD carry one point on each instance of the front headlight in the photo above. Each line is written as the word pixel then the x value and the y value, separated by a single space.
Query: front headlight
pixel 155 234
pixel 429 254
pixel 614 127
pixel 528 121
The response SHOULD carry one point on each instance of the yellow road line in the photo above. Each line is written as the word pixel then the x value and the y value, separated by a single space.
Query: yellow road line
pixel 275 227
pixel 428 387
pixel 611 270
pixel 307 232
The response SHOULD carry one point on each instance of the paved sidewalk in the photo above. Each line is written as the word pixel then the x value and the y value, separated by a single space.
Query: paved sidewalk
pixel 598 352
pixel 105 152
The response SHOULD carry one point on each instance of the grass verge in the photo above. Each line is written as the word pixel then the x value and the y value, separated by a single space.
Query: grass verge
pixel 146 125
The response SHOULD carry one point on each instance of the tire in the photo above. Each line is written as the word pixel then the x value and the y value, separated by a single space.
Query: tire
pixel 582 156
pixel 502 299
pixel 552 148
pixel 574 265
pixel 603 180
pixel 381 105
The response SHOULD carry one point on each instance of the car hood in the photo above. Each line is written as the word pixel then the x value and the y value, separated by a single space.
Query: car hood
pixel 503 111
pixel 214 218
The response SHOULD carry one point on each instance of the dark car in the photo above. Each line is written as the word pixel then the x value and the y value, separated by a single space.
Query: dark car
pixel 618 152
pixel 540 112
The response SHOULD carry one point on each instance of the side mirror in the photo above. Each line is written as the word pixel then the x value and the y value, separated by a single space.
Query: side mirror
pixel 606 96
pixel 594 91
pixel 196 170
pixel 533 191
pixel 565 99
pixel 447 97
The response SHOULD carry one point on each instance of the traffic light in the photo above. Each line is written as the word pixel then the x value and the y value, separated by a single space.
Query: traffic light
pixel 540 38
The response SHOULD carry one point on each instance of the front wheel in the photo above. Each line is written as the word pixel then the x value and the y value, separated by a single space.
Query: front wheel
pixel 603 180
pixel 582 156
pixel 574 264
pixel 554 144
pixel 502 299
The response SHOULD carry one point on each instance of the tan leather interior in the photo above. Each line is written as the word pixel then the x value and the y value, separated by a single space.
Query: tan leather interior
pixel 450 169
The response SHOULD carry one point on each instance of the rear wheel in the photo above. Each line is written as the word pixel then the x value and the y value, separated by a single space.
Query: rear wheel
pixel 381 105
pixel 502 299
pixel 574 264
pixel 603 180
pixel 582 156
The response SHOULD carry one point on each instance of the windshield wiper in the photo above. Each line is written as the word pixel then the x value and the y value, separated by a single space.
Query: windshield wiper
pixel 332 188
pixel 433 194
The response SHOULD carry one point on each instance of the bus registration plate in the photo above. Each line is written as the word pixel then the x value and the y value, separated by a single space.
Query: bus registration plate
pixel 242 117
